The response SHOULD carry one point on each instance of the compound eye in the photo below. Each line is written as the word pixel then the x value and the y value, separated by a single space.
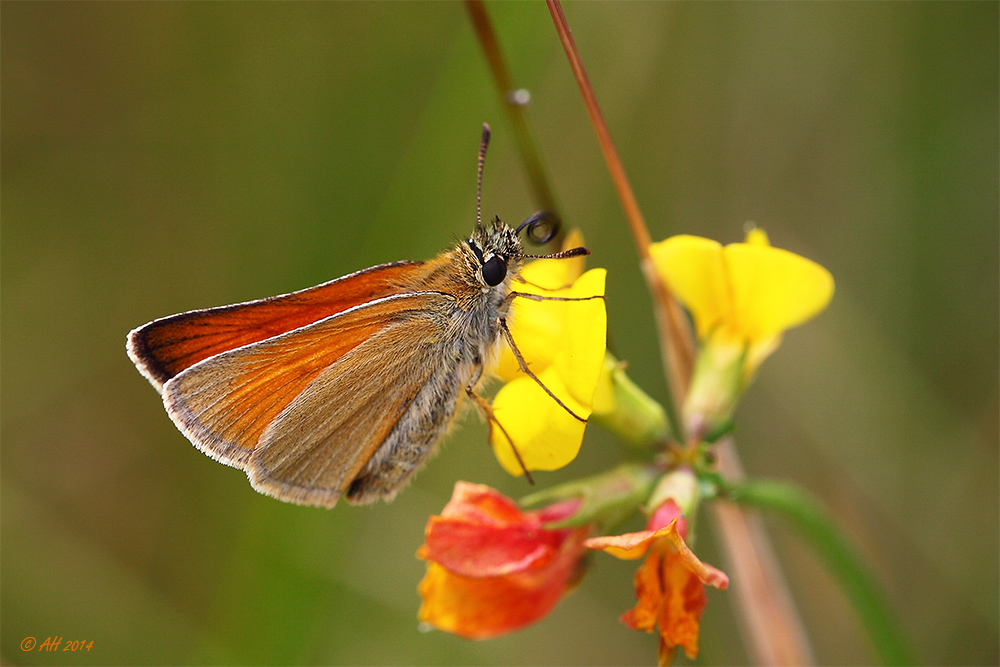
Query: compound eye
pixel 494 271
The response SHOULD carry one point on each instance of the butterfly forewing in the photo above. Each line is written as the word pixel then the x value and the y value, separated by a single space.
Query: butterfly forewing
pixel 165 347
pixel 223 404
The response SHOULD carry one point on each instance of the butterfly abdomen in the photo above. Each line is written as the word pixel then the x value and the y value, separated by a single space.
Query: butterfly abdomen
pixel 423 421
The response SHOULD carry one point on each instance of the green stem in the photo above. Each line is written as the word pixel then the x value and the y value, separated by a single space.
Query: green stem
pixel 843 560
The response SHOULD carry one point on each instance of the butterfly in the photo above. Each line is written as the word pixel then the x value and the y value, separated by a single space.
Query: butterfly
pixel 343 389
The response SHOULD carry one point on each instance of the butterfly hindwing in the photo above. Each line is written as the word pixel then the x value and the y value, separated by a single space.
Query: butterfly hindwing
pixel 319 444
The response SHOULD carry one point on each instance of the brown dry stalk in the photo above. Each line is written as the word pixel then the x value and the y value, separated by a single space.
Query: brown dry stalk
pixel 676 342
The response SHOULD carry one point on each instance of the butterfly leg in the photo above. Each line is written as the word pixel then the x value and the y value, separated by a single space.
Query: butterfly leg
pixel 521 280
pixel 487 411
pixel 540 297
pixel 505 330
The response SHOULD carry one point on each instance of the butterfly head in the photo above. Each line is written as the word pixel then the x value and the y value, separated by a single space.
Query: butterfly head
pixel 495 251
pixel 494 254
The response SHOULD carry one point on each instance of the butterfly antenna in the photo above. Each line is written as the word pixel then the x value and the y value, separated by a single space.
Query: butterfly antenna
pixel 565 254
pixel 479 179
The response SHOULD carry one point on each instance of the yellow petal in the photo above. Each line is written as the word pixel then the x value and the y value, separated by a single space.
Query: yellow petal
pixel 546 436
pixel 757 236
pixel 556 274
pixel 580 355
pixel 537 326
pixel 604 395
pixel 695 272
pixel 773 289
pixel 745 291
pixel 563 343
pixel 758 351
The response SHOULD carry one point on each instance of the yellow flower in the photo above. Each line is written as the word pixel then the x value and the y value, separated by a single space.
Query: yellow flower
pixel 741 297
pixel 563 343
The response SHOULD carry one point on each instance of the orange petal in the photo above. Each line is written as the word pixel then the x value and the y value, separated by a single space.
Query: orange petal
pixel 670 587
pixel 665 656
pixel 477 550
pixel 478 502
pixel 706 573
pixel 628 546
pixel 479 608
pixel 683 602
pixel 649 592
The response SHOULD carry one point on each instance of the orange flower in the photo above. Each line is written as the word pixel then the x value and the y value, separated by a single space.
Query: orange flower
pixel 493 568
pixel 670 585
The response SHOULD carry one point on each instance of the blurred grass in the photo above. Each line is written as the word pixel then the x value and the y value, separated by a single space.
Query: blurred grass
pixel 162 157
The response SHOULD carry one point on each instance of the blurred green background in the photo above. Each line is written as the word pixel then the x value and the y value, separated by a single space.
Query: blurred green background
pixel 160 157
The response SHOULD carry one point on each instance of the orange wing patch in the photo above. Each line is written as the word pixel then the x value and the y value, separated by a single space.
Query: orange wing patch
pixel 165 347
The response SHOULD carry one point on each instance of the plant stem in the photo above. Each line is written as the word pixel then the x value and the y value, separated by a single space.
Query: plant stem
pixel 769 620
pixel 852 572
pixel 676 343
